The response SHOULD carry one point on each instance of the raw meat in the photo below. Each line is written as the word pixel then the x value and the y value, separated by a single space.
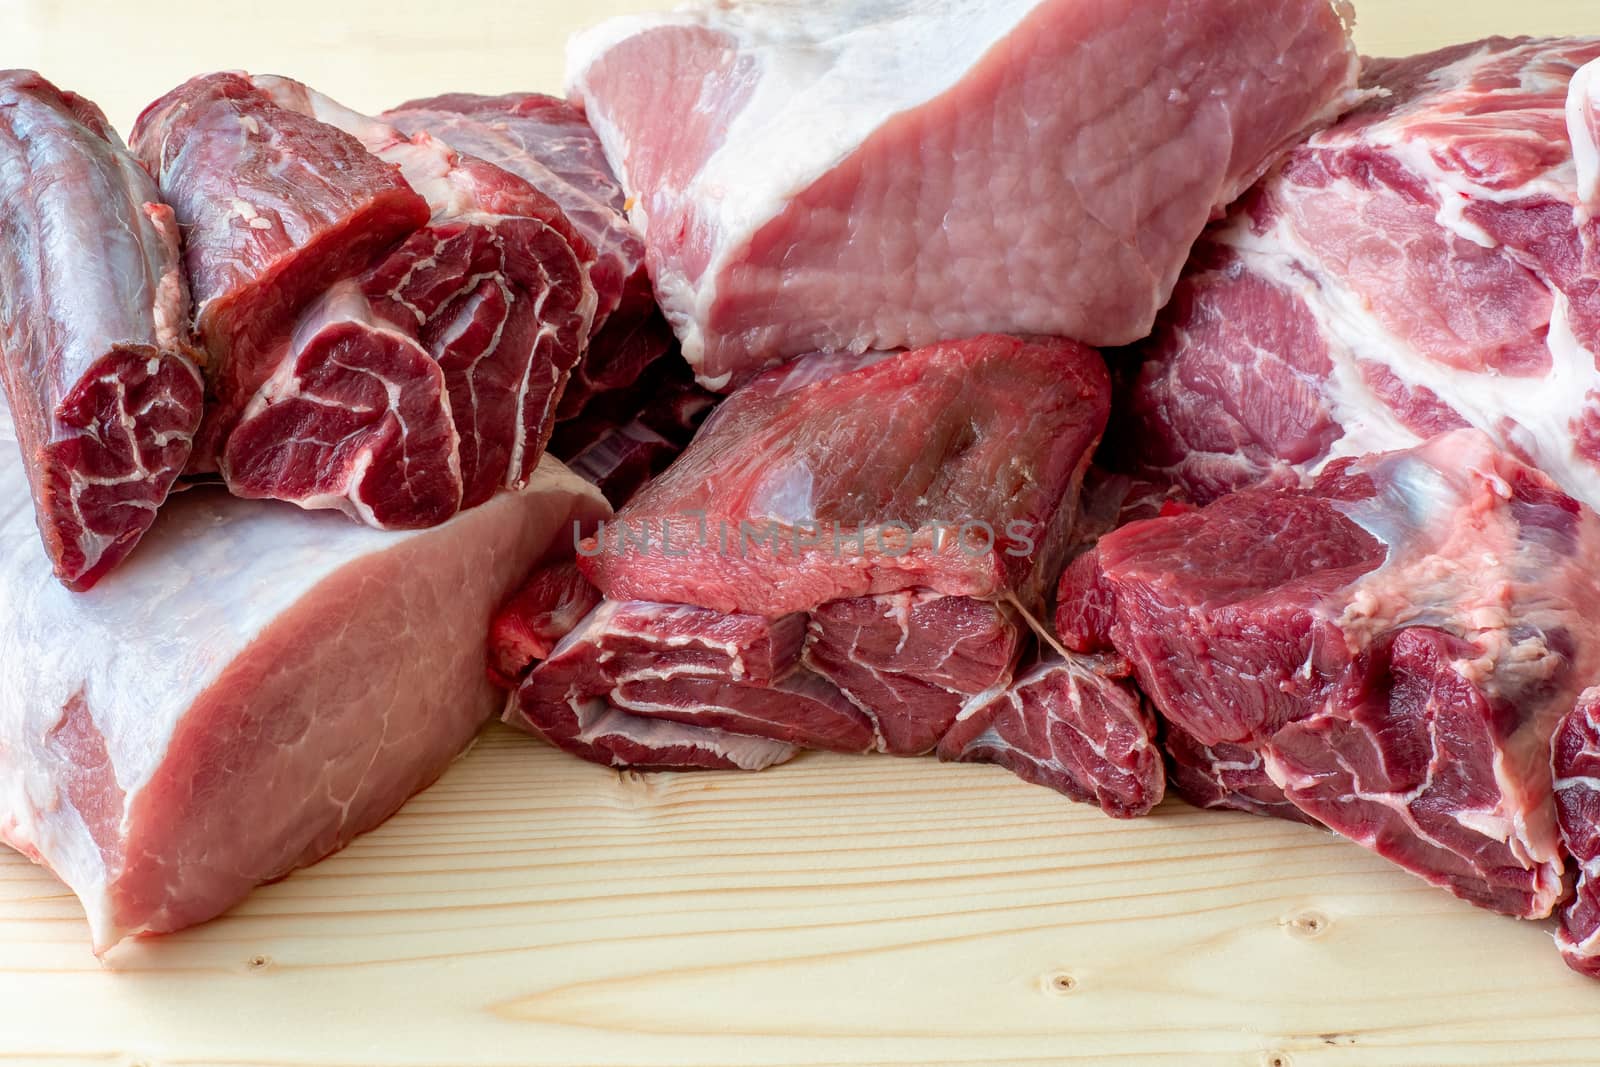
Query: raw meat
pixel 315 675
pixel 1432 262
pixel 275 207
pixel 892 173
pixel 953 468
pixel 1073 723
pixel 547 142
pixel 911 659
pixel 1398 660
pixel 1576 761
pixel 608 408
pixel 429 380
pixel 739 674
pixel 549 606
pixel 94 328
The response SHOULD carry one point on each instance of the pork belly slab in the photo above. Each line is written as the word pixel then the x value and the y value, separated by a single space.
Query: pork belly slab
pixel 248 693
pixel 94 328
pixel 891 173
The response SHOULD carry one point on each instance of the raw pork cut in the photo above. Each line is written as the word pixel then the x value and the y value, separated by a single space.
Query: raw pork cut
pixel 953 468
pixel 293 679
pixel 94 328
pixel 1432 262
pixel 428 379
pixel 1395 643
pixel 892 173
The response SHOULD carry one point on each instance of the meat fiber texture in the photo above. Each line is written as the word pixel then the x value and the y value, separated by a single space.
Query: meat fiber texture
pixel 786 581
pixel 396 344
pixel 878 174
pixel 1431 262
pixel 547 142
pixel 1394 668
pixel 294 680
pixel 1576 761
pixel 94 329
pixel 625 387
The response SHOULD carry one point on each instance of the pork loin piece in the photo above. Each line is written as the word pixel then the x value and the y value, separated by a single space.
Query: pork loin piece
pixel 1399 659
pixel 725 673
pixel 1576 760
pixel 866 174
pixel 953 468
pixel 1432 262
pixel 320 675
pixel 1073 723
pixel 275 207
pixel 430 381
pixel 547 142
pixel 94 328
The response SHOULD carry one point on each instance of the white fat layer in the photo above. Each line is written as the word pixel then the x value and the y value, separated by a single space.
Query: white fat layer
pixel 826 76
pixel 1583 126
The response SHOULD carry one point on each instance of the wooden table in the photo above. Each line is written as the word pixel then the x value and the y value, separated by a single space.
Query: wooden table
pixel 534 910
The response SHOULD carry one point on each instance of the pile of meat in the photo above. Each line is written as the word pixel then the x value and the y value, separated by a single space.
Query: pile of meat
pixel 1130 396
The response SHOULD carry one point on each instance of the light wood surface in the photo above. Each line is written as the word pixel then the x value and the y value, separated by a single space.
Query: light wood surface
pixel 533 910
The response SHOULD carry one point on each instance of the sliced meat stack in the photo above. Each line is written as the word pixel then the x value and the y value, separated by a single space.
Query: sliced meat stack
pixel 1430 263
pixel 1387 652
pixel 251 690
pixel 627 411
pixel 391 328
pixel 844 558
pixel 861 175
pixel 94 329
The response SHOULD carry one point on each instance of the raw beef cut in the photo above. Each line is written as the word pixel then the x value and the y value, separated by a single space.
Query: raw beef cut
pixel 1073 723
pixel 725 674
pixel 953 468
pixel 275 207
pixel 549 606
pixel 547 142
pixel 94 328
pixel 607 430
pixel 1396 643
pixel 1576 760
pixel 911 659
pixel 428 380
pixel 892 173
pixel 295 678
pixel 1431 262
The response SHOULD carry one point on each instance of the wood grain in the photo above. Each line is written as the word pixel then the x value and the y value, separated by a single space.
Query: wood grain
pixel 533 910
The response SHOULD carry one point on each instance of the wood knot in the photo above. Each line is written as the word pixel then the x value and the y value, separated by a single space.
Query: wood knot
pixel 1276 1059
pixel 1060 983
pixel 1308 924
pixel 258 962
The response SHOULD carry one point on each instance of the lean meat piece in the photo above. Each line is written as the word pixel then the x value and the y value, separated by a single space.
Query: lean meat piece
pixel 547 142
pixel 953 468
pixel 94 328
pixel 1431 262
pixel 910 660
pixel 890 173
pixel 725 674
pixel 312 677
pixel 432 380
pixel 1073 723
pixel 1576 760
pixel 549 606
pixel 1399 659
pixel 275 207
